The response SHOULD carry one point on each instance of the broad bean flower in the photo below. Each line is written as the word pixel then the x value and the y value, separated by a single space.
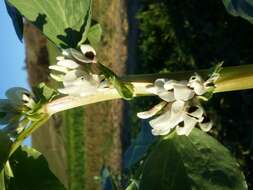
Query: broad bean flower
pixel 74 71
pixel 14 109
pixel 180 108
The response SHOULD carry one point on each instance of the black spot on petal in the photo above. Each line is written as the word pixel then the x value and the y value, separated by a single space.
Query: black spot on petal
pixel 181 124
pixel 206 119
pixel 192 109
pixel 90 55
pixel 209 84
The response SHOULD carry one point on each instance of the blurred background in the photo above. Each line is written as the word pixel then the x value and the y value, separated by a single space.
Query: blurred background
pixel 139 37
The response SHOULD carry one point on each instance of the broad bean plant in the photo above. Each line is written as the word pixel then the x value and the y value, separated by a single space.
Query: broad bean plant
pixel 172 152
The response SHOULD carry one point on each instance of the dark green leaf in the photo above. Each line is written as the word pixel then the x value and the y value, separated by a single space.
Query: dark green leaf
pixel 44 93
pixel 194 162
pixel 64 22
pixel 242 8
pixel 31 172
pixel 95 34
pixel 16 18
pixel 139 147
pixel 5 145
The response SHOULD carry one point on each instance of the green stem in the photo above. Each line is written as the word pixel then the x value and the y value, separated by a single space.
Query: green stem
pixel 27 132
pixel 231 78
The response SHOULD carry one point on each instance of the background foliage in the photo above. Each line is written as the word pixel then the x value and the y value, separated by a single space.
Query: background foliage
pixel 191 34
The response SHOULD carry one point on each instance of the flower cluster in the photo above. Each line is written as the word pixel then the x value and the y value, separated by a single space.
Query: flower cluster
pixel 14 109
pixel 180 102
pixel 74 71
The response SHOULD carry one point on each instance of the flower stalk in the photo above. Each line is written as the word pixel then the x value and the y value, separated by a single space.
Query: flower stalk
pixel 231 79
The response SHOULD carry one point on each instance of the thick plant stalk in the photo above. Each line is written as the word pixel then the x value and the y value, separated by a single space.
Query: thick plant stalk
pixel 231 79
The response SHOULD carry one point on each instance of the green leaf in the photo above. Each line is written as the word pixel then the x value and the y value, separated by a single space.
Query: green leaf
pixel 17 19
pixel 5 146
pixel 44 93
pixel 242 8
pixel 65 23
pixel 2 182
pixel 194 162
pixel 124 89
pixel 95 34
pixel 31 172
pixel 139 147
pixel 132 186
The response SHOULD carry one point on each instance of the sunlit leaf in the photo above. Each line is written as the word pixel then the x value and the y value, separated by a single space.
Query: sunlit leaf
pixel 64 22
pixel 194 162
pixel 2 184
pixel 124 89
pixel 44 93
pixel 95 34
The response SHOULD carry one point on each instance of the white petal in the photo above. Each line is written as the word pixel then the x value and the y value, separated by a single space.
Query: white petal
pixel 87 48
pixel 66 52
pixel 177 107
pixel 189 124
pixel 182 92
pixel 159 83
pixel 68 64
pixel 59 68
pixel 74 77
pixel 206 126
pixel 196 78
pixel 161 120
pixel 156 132
pixel 78 55
pixel 151 89
pixel 151 112
pixel 169 85
pixel 198 87
pixel 169 119
pixel 167 96
pixel 58 78
pixel 73 90
pixel 60 58
pixel 198 113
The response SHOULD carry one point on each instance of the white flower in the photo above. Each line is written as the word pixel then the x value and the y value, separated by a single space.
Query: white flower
pixel 200 86
pixel 87 54
pixel 13 109
pixel 182 110
pixel 171 90
pixel 79 83
pixel 19 97
pixel 180 116
pixel 75 75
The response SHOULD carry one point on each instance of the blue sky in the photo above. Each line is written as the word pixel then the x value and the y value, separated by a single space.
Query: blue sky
pixel 13 71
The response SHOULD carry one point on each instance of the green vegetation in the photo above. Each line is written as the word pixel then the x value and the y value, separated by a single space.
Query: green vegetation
pixel 191 34
pixel 75 139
